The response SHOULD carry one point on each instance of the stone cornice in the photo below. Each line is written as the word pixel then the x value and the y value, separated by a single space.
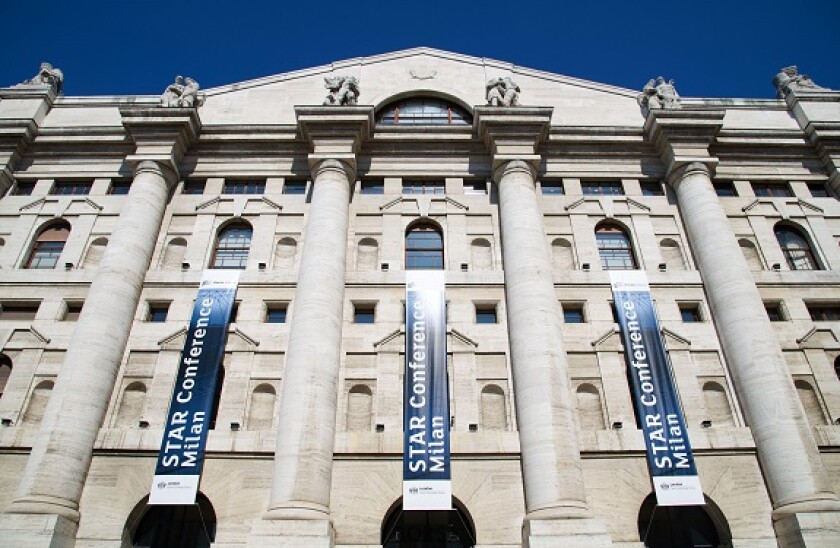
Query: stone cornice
pixel 513 133
pixel 335 132
pixel 161 135
pixel 683 136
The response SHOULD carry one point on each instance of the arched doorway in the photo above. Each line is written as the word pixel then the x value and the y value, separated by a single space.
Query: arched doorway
pixel 683 526
pixel 177 526
pixel 428 529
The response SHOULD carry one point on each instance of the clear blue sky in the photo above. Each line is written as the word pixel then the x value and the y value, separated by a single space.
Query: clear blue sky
pixel 710 48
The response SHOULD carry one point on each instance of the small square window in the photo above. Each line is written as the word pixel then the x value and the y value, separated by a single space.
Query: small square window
pixel 486 314
pixel 602 188
pixel 824 312
pixel 423 187
pixel 552 188
pixel 194 186
pixel 475 187
pixel 774 312
pixel 772 190
pixel 725 189
pixel 819 190
pixel 364 313
pixel 572 313
pixel 275 313
pixel 119 187
pixel 690 313
pixel 652 188
pixel 157 312
pixel 16 311
pixel 71 188
pixel 242 186
pixel 372 187
pixel 293 187
pixel 72 311
pixel 22 189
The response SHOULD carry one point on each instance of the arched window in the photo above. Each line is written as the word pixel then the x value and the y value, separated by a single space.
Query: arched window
pixel 493 408
pixel 423 248
pixel 683 526
pixel 232 246
pixel 48 246
pixel 261 412
pixel 614 248
pixel 452 529
pixel 176 526
pixel 95 252
pixel 423 111
pixel 5 372
pixel 796 249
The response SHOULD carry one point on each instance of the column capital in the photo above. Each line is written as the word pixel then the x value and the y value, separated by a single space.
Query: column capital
pixel 162 134
pixel 511 166
pixel 335 132
pixel 817 111
pixel 682 136
pixel 513 133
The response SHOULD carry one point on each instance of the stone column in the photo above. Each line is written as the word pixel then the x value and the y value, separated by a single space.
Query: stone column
pixel 55 473
pixel 795 476
pixel 555 498
pixel 299 507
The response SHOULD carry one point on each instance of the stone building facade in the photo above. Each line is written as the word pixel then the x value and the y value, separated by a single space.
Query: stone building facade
pixel 113 206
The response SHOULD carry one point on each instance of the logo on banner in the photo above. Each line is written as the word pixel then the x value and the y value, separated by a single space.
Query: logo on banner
pixel 669 457
pixel 426 468
pixel 181 455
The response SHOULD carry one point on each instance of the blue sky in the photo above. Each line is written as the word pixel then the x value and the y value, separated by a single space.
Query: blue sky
pixel 710 48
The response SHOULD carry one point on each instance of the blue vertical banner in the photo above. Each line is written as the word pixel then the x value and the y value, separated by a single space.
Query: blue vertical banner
pixel 427 476
pixel 669 457
pixel 181 455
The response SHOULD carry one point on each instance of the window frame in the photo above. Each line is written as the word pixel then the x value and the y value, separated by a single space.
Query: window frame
pixel 486 313
pixel 725 189
pixel 824 311
pixel 571 308
pixel 294 187
pixel 71 188
pixel 625 253
pixel 243 187
pixel 551 187
pixel 239 252
pixel 278 308
pixel 416 262
pixel 121 186
pixel 424 111
pixel 652 188
pixel 19 311
pixel 690 312
pixel 72 311
pixel 372 187
pixel 157 311
pixel 194 187
pixel 424 187
pixel 797 258
pixel 47 249
pixel 364 311
pixel 763 189
pixel 602 188
pixel 22 188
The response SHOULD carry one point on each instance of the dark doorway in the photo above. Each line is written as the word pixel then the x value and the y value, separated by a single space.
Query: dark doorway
pixel 683 526
pixel 428 529
pixel 183 526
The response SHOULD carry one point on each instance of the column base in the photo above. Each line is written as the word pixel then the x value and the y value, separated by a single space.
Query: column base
pixel 37 531
pixel 565 533
pixel 808 529
pixel 292 533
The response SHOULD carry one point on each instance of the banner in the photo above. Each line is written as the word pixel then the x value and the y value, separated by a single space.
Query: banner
pixel 669 457
pixel 427 477
pixel 181 455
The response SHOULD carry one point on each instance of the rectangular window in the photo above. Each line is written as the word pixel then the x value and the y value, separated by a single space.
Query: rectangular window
pixel 364 313
pixel 602 188
pixel 72 311
pixel 690 312
pixel 552 188
pixel 22 188
pixel 71 188
pixel 119 187
pixel 294 187
pixel 573 313
pixel 652 188
pixel 373 187
pixel 774 312
pixel 725 189
pixel 423 187
pixel 824 312
pixel 475 187
pixel 194 186
pixel 486 313
pixel 772 190
pixel 242 186
pixel 157 312
pixel 18 311
pixel 275 312
pixel 819 190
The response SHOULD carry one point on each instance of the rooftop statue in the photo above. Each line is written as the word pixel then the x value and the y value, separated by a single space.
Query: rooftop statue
pixel 182 93
pixel 789 79
pixel 344 90
pixel 502 92
pixel 659 94
pixel 47 76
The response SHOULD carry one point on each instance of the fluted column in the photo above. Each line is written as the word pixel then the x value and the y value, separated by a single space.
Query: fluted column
pixel 551 465
pixel 55 473
pixel 795 476
pixel 306 434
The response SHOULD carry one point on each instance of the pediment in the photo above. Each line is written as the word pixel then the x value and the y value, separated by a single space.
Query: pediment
pixel 420 71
